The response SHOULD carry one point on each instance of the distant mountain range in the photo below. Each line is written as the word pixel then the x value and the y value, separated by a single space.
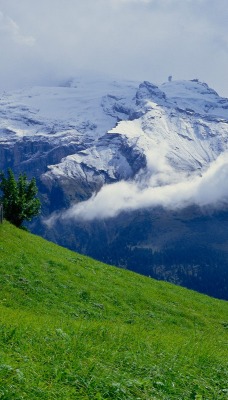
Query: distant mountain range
pixel 131 173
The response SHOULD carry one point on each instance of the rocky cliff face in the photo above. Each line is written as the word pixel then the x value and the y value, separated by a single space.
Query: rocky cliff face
pixel 149 153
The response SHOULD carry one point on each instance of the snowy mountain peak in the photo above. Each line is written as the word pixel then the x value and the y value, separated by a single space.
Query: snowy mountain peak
pixel 100 131
pixel 147 91
pixel 195 96
pixel 189 89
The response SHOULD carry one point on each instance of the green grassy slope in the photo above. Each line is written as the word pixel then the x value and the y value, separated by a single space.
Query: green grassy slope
pixel 73 328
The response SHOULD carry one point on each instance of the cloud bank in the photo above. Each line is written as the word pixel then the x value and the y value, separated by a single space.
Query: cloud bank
pixel 210 189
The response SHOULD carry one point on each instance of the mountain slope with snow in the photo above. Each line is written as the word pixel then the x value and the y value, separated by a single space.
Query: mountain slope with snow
pixel 128 172
pixel 173 131
pixel 181 125
pixel 87 133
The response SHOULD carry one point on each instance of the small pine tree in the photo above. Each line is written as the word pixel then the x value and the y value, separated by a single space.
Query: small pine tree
pixel 19 198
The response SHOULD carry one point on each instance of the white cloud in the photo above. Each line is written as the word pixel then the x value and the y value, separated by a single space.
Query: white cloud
pixel 137 39
pixel 11 29
pixel 211 189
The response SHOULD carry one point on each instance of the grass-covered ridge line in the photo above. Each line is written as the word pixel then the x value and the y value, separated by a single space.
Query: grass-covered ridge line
pixel 73 328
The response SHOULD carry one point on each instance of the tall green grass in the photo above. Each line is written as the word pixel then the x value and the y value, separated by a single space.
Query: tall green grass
pixel 74 328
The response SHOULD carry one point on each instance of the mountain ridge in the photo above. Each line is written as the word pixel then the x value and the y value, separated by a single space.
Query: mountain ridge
pixel 106 154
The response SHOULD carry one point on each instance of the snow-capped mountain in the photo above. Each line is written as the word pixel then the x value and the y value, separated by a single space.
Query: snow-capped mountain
pixel 110 131
pixel 135 145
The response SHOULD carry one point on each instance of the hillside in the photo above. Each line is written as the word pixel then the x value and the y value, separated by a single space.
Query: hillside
pixel 73 328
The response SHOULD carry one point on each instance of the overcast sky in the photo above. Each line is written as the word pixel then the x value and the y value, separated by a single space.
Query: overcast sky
pixel 137 39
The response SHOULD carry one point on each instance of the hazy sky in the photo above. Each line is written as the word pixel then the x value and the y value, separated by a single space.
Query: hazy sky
pixel 136 39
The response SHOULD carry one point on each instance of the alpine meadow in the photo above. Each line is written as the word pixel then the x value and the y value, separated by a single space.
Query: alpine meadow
pixel 74 328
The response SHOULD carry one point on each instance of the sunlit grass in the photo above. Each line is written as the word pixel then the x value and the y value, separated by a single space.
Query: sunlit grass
pixel 73 328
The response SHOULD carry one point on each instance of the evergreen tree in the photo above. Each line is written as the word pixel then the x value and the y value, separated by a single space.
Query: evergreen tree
pixel 18 198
